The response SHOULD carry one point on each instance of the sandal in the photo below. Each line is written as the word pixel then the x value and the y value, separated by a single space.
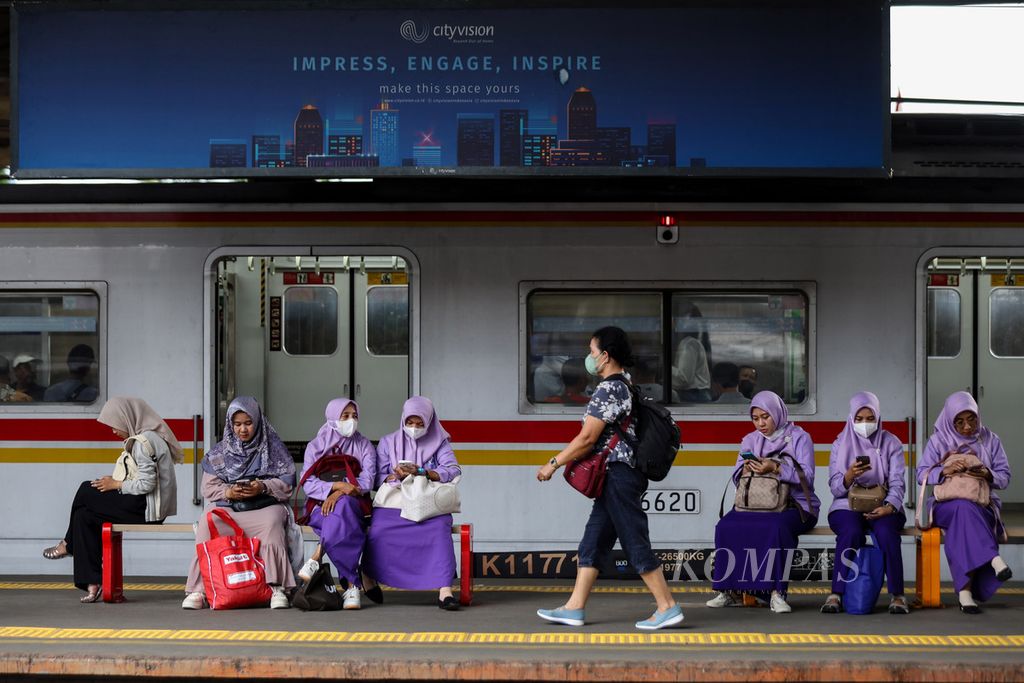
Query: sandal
pixel 898 605
pixel 57 552
pixel 833 605
pixel 94 594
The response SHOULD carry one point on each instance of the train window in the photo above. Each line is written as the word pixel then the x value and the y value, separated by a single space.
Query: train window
pixel 49 344
pixel 559 327
pixel 310 321
pixel 1006 313
pixel 943 322
pixel 727 345
pixel 387 320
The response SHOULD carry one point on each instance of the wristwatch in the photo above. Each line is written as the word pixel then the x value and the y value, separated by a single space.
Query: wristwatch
pixel 554 462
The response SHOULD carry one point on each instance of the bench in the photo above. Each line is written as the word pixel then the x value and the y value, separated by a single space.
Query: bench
pixel 113 569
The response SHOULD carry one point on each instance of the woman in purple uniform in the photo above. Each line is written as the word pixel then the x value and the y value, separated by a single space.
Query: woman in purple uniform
pixel 399 552
pixel 867 455
pixel 753 549
pixel 972 531
pixel 340 517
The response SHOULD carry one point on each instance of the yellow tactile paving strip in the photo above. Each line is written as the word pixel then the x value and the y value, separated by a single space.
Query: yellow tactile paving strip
pixel 543 639
pixel 479 588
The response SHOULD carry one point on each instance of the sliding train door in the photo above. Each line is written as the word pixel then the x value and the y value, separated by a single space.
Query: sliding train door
pixel 975 343
pixel 297 331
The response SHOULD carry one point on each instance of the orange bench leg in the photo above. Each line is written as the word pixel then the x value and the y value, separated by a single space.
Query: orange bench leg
pixel 113 572
pixel 928 586
pixel 466 578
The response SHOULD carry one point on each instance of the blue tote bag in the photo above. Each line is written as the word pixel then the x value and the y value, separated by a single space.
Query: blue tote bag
pixel 862 592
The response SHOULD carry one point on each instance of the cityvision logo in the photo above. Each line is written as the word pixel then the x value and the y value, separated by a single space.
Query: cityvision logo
pixel 456 33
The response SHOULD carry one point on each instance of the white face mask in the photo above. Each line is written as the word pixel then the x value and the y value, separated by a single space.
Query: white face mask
pixel 346 427
pixel 865 429
pixel 414 432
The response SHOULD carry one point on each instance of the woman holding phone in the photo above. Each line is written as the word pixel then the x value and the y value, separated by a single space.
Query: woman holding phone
pixel 868 461
pixel 399 552
pixel 251 473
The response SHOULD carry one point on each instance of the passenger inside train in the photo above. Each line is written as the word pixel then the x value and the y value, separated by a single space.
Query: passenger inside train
pixel 967 464
pixel 691 372
pixel 339 508
pixel 142 489
pixel 25 371
pixel 725 381
pixel 866 476
pixel 77 387
pixel 251 473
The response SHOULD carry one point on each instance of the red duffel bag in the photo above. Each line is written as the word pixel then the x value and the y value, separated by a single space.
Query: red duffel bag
pixel 233 573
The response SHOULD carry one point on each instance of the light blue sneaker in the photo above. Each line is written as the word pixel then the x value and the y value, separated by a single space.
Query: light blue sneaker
pixel 670 617
pixel 560 615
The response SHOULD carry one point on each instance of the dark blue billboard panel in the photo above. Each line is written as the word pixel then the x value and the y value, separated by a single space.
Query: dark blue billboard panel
pixel 683 90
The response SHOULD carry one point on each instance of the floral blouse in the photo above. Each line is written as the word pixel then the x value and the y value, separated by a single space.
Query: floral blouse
pixel 611 403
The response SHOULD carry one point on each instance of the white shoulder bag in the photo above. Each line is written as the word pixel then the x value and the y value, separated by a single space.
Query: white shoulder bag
pixel 125 467
pixel 423 499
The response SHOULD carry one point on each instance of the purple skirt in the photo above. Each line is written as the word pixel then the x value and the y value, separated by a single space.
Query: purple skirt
pixel 753 549
pixel 970 545
pixel 342 535
pixel 410 555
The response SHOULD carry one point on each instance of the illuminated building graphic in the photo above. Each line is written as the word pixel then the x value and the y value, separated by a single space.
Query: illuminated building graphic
pixel 513 124
pixel 614 143
pixel 384 135
pixel 427 152
pixel 227 153
pixel 266 151
pixel 342 161
pixel 346 144
pixel 476 140
pixel 537 149
pixel 661 141
pixel 309 134
pixel 582 115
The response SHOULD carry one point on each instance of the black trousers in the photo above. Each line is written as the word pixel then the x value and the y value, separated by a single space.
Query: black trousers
pixel 90 509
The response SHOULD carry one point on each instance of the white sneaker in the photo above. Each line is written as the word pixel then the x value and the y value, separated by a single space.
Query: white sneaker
pixel 723 599
pixel 194 601
pixel 352 598
pixel 308 569
pixel 779 604
pixel 279 600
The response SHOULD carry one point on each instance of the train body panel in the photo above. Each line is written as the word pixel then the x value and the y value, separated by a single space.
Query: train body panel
pixel 469 275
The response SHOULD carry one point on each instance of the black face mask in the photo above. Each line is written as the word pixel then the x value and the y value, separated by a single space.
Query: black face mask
pixel 746 387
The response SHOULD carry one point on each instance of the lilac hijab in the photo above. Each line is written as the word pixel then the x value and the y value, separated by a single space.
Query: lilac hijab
pixel 950 440
pixel 759 444
pixel 424 448
pixel 264 455
pixel 328 439
pixel 850 444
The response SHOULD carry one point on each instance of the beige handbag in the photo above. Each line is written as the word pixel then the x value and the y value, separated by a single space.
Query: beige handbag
pixel 765 492
pixel 125 467
pixel 866 498
pixel 964 486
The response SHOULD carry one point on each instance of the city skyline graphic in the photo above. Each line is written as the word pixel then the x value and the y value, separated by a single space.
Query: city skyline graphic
pixel 689 88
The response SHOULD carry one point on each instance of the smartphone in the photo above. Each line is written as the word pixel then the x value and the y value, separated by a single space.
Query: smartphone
pixel 245 480
pixel 403 463
pixel 863 460
pixel 747 455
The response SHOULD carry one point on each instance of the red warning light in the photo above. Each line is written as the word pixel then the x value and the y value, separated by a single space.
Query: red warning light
pixel 668 220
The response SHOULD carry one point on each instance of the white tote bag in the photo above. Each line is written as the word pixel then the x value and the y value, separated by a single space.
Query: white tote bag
pixel 423 499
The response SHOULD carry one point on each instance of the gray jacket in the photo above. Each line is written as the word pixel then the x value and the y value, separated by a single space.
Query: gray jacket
pixel 155 478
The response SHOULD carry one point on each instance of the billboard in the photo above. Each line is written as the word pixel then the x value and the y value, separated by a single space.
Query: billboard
pixel 696 89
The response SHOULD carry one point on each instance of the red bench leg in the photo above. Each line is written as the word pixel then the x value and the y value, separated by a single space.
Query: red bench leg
pixel 113 572
pixel 466 544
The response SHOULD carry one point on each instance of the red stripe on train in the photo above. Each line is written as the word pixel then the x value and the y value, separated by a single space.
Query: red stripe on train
pixel 77 429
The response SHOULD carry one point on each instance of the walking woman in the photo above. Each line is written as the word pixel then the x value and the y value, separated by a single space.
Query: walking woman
pixel 149 495
pixel 616 513
pixel 972 530
pixel 252 468
pixel 339 518
pixel 866 455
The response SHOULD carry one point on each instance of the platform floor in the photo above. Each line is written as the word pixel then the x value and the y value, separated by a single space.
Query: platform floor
pixel 45 631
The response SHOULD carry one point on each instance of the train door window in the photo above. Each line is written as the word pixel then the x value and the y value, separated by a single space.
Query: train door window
pixel 1006 319
pixel 387 320
pixel 310 321
pixel 49 347
pixel 731 344
pixel 943 322
pixel 559 328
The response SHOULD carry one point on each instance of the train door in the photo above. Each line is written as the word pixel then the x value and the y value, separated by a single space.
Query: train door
pixel 975 341
pixel 297 331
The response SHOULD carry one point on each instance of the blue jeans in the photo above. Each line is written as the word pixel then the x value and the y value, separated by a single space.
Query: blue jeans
pixel 617 515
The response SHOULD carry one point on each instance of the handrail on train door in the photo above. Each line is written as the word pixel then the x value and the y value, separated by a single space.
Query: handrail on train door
pixel 911 463
pixel 196 498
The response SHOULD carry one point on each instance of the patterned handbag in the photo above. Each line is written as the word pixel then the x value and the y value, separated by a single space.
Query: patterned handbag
pixel 765 492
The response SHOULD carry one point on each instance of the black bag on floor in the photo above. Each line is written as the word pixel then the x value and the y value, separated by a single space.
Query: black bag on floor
pixel 319 594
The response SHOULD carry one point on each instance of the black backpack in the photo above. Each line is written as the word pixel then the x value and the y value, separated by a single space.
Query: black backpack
pixel 657 434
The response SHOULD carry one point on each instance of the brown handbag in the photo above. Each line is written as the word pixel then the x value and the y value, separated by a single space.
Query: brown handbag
pixel 866 498
pixel 766 492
